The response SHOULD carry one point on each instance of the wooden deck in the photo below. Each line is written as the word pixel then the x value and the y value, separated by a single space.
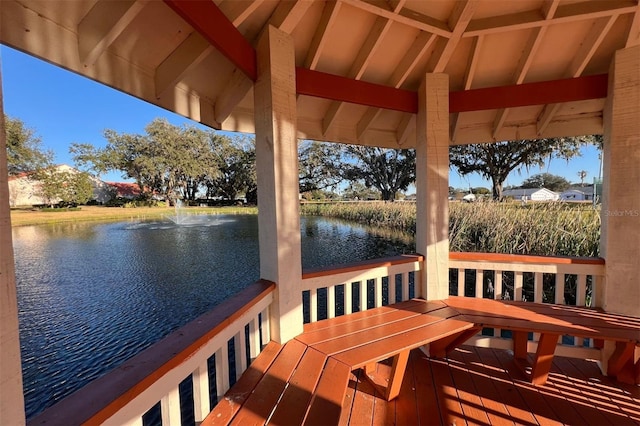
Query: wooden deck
pixel 483 386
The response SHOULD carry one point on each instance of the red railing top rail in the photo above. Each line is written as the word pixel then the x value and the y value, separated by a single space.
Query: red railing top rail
pixel 102 398
pixel 525 258
pixel 365 264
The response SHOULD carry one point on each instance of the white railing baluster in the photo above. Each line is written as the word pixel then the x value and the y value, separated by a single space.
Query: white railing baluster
pixel 313 307
pixel 201 392
pixel 331 301
pixel 391 289
pixel 405 286
pixel 265 326
pixel 240 352
pixel 581 290
pixel 461 274
pixel 348 298
pixel 363 294
pixel 559 293
pixel 222 370
pixel 254 339
pixel 538 287
pixel 497 294
pixel 517 285
pixel 479 283
pixel 377 283
pixel 170 408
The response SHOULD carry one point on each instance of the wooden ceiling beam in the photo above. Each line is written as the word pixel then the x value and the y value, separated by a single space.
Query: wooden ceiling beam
pixel 458 22
pixel 468 80
pixel 329 13
pixel 102 25
pixel 404 16
pixel 580 61
pixel 289 13
pixel 405 67
pixel 564 14
pixel 179 62
pixel 633 37
pixel 238 11
pixel 206 18
pixel 374 38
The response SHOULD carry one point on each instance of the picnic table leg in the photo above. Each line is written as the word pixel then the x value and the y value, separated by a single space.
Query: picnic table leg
pixel 520 339
pixel 397 374
pixel 544 358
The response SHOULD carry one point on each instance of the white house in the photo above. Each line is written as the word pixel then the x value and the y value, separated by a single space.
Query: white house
pixel 585 194
pixel 531 194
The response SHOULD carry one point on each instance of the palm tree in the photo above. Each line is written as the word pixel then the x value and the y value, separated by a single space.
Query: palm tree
pixel 582 174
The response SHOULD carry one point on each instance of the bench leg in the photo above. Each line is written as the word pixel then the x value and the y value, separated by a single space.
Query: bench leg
pixel 397 374
pixel 440 348
pixel 544 358
pixel 520 341
pixel 620 364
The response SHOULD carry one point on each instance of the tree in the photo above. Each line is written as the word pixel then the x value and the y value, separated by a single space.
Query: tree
pixel 168 160
pixel 24 148
pixel 496 160
pixel 235 160
pixel 387 170
pixel 64 187
pixel 546 180
pixel 582 174
pixel 320 165
pixel 357 191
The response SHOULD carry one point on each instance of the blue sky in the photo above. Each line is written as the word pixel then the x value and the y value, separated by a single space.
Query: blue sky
pixel 64 108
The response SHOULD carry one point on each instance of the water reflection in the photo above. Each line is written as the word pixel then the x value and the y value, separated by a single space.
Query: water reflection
pixel 92 295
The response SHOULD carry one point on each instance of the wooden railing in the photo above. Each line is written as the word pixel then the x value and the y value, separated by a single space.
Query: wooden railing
pixel 542 279
pixel 328 292
pixel 199 351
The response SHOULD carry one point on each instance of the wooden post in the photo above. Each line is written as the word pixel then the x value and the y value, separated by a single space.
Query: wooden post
pixel 432 184
pixel 277 173
pixel 11 397
pixel 620 236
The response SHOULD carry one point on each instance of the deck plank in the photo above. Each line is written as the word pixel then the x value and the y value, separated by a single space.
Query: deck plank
pixel 238 394
pixel 447 395
pixel 261 402
pixel 329 395
pixel 427 399
pixel 471 402
pixel 407 406
pixel 485 387
pixel 292 408
pixel 347 404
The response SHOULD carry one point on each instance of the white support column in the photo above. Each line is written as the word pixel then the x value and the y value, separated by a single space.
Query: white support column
pixel 620 236
pixel 432 184
pixel 277 172
pixel 11 397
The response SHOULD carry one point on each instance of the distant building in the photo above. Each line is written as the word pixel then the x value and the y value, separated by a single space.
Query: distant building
pixel 24 189
pixel 531 194
pixel 578 194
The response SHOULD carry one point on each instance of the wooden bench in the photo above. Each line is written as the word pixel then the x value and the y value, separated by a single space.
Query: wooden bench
pixel 552 322
pixel 305 381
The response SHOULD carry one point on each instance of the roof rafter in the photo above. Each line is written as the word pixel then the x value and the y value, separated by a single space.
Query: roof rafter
pixel 406 65
pixel 374 38
pixel 404 16
pixel 102 25
pixel 468 79
pixel 564 14
pixel 634 32
pixel 327 20
pixel 238 11
pixel 458 21
pixel 580 61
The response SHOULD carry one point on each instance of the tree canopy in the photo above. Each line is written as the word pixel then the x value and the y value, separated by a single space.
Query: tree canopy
pixel 546 180
pixel 387 170
pixel 24 149
pixel 495 161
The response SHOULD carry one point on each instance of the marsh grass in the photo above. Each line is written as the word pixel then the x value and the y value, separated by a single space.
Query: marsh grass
pixel 534 228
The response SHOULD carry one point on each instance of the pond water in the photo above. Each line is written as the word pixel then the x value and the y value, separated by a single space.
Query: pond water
pixel 92 295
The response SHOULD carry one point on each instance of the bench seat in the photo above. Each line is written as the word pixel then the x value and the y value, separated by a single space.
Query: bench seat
pixel 305 381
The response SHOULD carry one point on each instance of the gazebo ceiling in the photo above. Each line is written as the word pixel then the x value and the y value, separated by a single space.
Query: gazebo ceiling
pixel 518 69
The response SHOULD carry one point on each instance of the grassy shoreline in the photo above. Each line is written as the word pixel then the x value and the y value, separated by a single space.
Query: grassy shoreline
pixel 26 217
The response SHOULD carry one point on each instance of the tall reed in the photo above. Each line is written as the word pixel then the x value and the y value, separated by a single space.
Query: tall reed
pixel 534 228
